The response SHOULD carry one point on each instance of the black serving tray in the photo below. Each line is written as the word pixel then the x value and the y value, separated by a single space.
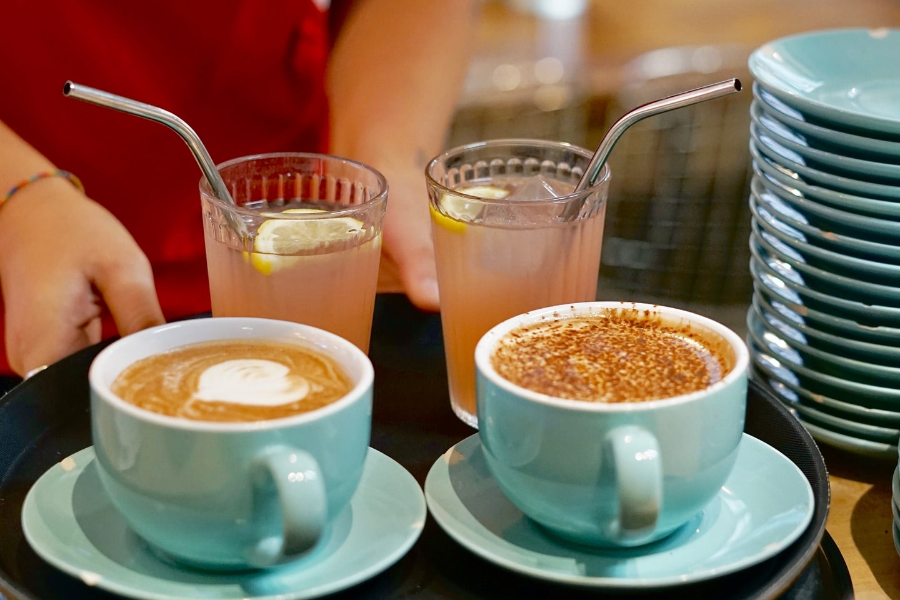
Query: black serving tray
pixel 46 419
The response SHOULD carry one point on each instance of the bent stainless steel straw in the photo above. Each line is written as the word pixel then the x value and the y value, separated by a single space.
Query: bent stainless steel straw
pixel 701 94
pixel 147 111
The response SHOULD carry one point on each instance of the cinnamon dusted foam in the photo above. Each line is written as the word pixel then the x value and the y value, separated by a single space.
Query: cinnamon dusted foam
pixel 619 355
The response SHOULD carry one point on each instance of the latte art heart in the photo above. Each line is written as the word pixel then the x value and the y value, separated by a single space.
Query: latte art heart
pixel 254 382
pixel 233 380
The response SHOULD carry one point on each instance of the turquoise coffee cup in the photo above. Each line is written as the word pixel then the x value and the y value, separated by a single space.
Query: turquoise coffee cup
pixel 230 495
pixel 619 474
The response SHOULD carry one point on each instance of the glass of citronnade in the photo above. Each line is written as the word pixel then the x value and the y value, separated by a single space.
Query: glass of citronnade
pixel 510 235
pixel 610 423
pixel 302 244
pixel 239 414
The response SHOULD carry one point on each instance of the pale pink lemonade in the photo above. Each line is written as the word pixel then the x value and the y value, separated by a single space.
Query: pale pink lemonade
pixel 491 271
pixel 331 286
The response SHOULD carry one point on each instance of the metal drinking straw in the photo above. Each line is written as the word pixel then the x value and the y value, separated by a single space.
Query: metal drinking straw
pixel 147 111
pixel 701 94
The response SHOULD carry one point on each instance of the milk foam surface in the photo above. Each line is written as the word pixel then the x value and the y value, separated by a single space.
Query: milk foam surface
pixel 233 380
pixel 253 382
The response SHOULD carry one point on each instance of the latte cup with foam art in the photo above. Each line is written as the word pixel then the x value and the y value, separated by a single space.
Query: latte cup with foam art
pixel 231 443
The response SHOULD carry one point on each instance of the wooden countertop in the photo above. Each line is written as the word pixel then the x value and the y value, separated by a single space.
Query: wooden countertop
pixel 860 522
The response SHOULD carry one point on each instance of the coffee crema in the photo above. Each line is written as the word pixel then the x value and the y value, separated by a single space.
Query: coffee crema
pixel 233 380
pixel 619 355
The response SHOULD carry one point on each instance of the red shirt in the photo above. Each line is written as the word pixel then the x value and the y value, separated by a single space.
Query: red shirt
pixel 248 76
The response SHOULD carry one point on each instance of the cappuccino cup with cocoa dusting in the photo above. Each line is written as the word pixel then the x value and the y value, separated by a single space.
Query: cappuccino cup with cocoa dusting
pixel 611 423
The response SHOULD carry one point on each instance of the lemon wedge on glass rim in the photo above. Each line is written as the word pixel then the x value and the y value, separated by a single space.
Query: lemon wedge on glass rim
pixel 277 240
pixel 461 209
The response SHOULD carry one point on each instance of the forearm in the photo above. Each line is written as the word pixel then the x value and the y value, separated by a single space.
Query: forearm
pixel 18 159
pixel 394 78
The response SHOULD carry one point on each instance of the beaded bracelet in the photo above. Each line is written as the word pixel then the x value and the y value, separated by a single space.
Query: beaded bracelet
pixel 43 175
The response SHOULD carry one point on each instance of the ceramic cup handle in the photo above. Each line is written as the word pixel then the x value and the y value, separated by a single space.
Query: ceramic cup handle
pixel 638 473
pixel 300 491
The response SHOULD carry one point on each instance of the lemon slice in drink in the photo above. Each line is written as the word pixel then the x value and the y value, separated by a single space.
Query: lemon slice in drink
pixel 460 209
pixel 278 239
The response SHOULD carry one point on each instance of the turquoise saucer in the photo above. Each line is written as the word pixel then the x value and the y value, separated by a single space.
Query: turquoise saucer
pixel 794 325
pixel 895 533
pixel 847 77
pixel 895 486
pixel 829 260
pixel 858 277
pixel 776 331
pixel 784 384
pixel 70 523
pixel 783 279
pixel 841 289
pixel 843 213
pixel 895 493
pixel 866 433
pixel 817 158
pixel 779 256
pixel 793 162
pixel 778 293
pixel 769 207
pixel 785 360
pixel 764 505
pixel 832 139
pixel 783 180
pixel 862 431
pixel 851 444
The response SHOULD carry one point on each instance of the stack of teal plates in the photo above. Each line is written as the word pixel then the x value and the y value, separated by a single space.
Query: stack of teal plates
pixel 824 326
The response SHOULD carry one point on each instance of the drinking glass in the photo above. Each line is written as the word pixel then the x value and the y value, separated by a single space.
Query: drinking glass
pixel 498 257
pixel 301 244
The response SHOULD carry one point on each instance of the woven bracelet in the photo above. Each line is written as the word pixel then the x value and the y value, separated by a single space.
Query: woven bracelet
pixel 43 175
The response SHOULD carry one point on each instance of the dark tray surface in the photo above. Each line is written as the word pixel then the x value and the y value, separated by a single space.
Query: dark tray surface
pixel 46 419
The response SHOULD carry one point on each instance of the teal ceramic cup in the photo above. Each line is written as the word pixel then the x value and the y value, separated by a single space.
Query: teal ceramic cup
pixel 619 474
pixel 231 495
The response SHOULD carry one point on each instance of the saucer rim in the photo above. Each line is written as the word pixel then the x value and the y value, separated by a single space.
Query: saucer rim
pixel 850 141
pixel 626 583
pixel 876 394
pixel 856 347
pixel 867 266
pixel 836 242
pixel 895 487
pixel 840 406
pixel 812 327
pixel 849 443
pixel 800 190
pixel 810 200
pixel 831 181
pixel 759 64
pixel 845 425
pixel 856 366
pixel 882 312
pixel 845 284
pixel 86 456
pixel 828 160
pixel 847 325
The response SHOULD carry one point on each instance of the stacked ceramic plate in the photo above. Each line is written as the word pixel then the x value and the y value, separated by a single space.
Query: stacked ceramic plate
pixel 895 508
pixel 824 327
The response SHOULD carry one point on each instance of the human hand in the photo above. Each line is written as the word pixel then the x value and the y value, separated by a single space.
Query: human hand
pixel 407 257
pixel 62 257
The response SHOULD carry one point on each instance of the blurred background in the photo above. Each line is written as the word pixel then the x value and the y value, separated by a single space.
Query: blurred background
pixel 678 221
